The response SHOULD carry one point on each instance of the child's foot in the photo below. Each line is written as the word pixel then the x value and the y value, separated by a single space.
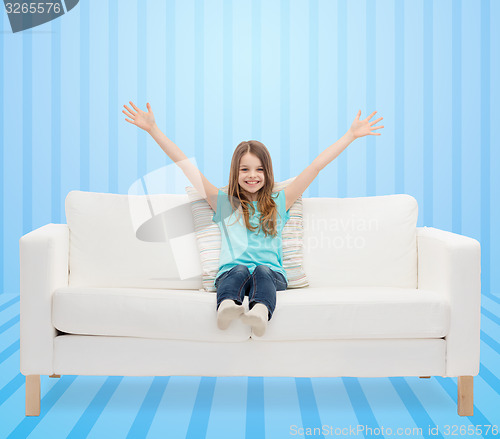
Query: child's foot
pixel 227 312
pixel 257 319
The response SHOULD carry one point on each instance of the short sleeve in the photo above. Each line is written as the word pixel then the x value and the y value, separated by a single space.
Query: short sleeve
pixel 216 217
pixel 281 202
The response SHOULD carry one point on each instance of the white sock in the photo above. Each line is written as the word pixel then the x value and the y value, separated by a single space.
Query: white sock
pixel 257 318
pixel 227 312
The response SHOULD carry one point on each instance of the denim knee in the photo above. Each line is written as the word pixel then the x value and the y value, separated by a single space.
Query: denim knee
pixel 262 269
pixel 241 269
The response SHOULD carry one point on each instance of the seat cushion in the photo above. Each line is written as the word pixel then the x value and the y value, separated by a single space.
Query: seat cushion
pixel 147 313
pixel 308 314
pixel 358 313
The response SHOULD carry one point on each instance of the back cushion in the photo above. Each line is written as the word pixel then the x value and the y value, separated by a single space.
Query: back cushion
pixel 367 241
pixel 139 241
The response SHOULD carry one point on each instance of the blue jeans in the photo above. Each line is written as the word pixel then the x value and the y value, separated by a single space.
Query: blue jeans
pixel 260 286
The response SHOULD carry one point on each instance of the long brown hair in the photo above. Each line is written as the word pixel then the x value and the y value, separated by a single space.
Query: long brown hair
pixel 265 202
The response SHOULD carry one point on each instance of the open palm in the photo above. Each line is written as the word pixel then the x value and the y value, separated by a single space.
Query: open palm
pixel 140 118
pixel 360 128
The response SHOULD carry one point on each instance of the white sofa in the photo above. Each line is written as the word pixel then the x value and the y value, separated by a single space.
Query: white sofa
pixel 118 291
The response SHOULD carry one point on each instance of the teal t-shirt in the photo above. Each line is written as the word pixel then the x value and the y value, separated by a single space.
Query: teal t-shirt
pixel 242 246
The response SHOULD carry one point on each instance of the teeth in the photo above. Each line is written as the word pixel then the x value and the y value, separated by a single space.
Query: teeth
pixel 252 182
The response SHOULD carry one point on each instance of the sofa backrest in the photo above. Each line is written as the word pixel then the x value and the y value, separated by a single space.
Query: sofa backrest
pixel 149 241
pixel 132 241
pixel 364 241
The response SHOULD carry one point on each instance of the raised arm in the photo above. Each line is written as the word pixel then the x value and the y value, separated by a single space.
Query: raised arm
pixel 358 129
pixel 146 121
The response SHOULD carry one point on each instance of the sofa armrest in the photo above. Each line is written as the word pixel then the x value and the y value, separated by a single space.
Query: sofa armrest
pixel 44 256
pixel 451 264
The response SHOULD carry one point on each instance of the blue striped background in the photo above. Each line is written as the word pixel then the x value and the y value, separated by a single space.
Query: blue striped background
pixel 292 74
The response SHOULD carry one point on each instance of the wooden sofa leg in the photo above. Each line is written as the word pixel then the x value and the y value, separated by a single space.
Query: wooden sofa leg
pixel 32 395
pixel 465 399
pixel 424 377
pixel 54 376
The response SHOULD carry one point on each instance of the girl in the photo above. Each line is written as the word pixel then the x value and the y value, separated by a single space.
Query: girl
pixel 251 218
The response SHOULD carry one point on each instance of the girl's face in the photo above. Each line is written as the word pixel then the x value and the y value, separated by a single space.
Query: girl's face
pixel 251 173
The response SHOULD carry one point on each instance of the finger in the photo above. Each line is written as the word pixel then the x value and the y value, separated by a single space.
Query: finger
pixel 135 108
pixel 128 115
pixel 370 116
pixel 359 114
pixel 376 128
pixel 376 121
pixel 130 121
pixel 130 111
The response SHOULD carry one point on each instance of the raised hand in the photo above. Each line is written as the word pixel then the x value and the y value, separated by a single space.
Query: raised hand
pixel 140 118
pixel 360 128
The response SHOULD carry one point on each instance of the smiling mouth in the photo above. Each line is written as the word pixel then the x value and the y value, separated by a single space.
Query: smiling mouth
pixel 252 183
